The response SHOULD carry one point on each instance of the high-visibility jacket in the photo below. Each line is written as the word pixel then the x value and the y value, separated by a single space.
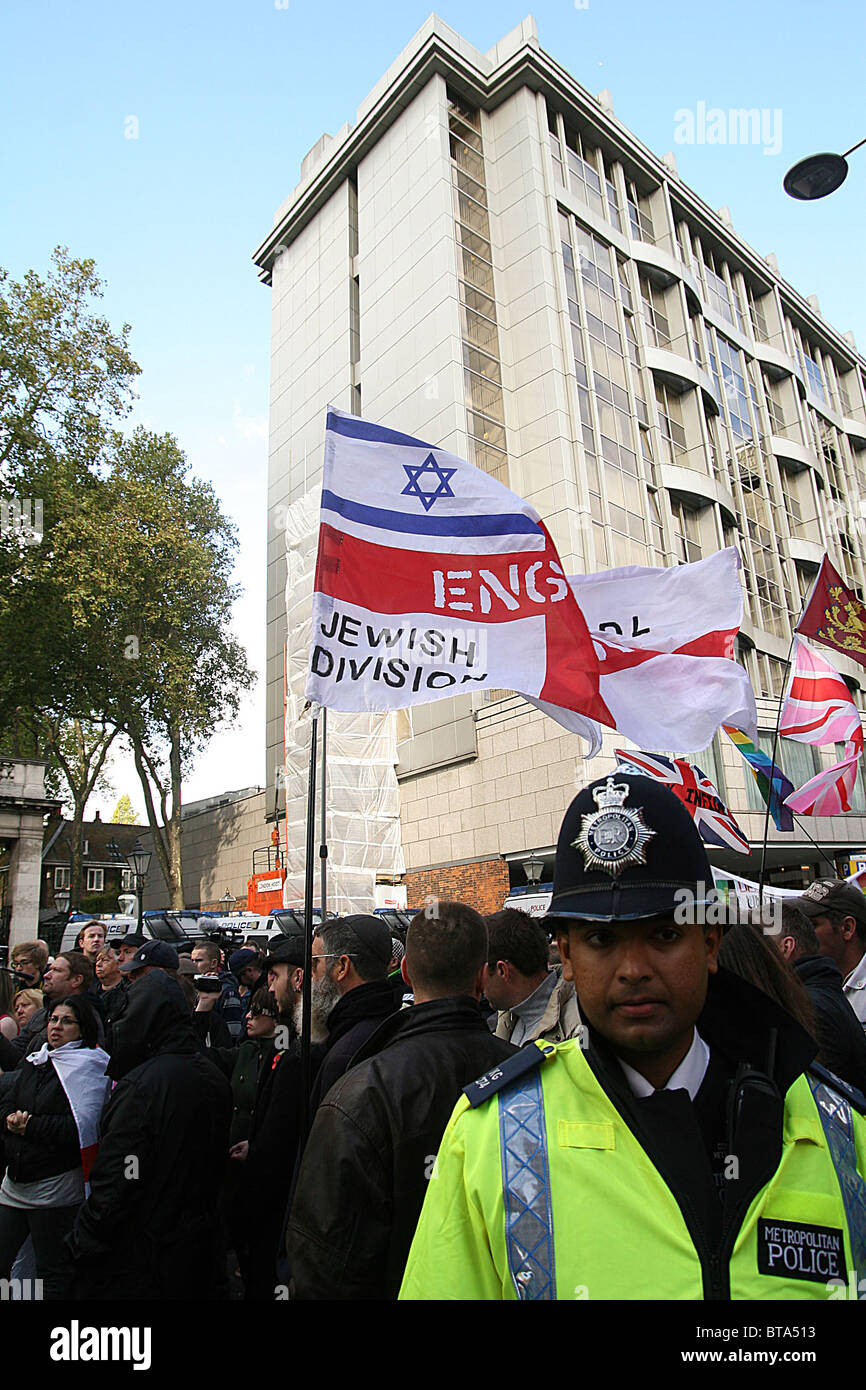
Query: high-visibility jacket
pixel 544 1192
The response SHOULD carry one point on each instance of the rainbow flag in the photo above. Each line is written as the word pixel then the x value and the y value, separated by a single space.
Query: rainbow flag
pixel 772 782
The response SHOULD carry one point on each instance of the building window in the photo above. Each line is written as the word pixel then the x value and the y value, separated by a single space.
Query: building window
pixel 844 398
pixel 95 883
pixel 639 216
pixel 718 293
pixel 654 316
pixel 788 480
pixel 582 173
pixel 671 425
pixel 62 878
pixel 813 374
pixel 127 881
pixel 687 533
pixel 774 407
pixel 756 314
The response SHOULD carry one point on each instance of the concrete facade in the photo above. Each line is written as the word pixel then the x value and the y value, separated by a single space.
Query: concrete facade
pixel 487 259
pixel 217 842
pixel 23 807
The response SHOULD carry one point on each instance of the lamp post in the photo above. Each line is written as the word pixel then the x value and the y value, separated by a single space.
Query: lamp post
pixel 138 860
pixel 818 175
pixel 227 900
pixel 532 867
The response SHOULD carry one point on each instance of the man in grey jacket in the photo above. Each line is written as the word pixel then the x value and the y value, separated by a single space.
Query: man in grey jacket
pixel 534 1001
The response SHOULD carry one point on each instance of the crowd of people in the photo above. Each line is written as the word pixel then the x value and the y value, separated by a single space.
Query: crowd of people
pixel 610 1099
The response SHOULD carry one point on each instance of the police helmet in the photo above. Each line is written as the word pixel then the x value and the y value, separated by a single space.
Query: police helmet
pixel 627 849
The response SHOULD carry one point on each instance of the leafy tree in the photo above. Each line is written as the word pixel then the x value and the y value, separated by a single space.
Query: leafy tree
pixel 117 618
pixel 65 383
pixel 124 812
pixel 176 670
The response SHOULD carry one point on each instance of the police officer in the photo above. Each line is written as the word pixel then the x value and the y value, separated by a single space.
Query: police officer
pixel 680 1147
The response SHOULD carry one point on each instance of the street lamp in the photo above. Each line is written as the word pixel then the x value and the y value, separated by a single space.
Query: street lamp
pixel 227 899
pixel 818 175
pixel 532 867
pixel 138 860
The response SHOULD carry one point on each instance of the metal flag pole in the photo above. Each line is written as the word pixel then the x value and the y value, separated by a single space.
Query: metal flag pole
pixel 323 847
pixel 804 604
pixel 831 862
pixel 308 930
pixel 772 766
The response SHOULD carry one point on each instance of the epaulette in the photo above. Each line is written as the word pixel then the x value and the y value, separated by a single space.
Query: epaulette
pixel 477 1092
pixel 829 1078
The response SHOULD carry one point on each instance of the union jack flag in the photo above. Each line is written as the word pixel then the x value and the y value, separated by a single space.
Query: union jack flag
pixel 715 824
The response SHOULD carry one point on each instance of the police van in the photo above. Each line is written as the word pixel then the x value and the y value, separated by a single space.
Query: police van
pixel 534 899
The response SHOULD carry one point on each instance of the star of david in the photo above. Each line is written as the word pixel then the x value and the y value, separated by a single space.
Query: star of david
pixel 416 472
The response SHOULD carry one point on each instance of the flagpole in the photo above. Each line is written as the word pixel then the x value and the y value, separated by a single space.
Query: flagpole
pixel 815 843
pixel 781 697
pixel 323 847
pixel 773 764
pixel 308 931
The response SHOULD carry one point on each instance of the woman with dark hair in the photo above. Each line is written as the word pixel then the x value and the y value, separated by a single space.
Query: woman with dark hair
pixel 50 1107
pixel 746 951
pixel 8 1026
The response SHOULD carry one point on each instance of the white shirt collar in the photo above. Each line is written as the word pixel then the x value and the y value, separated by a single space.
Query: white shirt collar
pixel 857 977
pixel 688 1076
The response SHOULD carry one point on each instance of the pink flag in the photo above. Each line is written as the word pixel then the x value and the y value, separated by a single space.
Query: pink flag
pixel 829 793
pixel 818 707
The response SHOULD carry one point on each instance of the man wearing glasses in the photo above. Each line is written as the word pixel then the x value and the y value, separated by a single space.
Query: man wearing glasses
pixel 350 993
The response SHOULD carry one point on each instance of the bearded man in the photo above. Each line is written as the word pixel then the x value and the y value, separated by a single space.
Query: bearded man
pixel 350 994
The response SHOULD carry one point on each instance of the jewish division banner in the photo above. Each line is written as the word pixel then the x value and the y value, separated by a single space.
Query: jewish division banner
pixel 432 579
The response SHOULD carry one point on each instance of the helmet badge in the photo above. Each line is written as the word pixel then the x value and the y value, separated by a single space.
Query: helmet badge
pixel 614 836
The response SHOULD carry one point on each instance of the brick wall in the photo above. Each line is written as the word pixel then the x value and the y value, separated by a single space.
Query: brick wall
pixel 483 884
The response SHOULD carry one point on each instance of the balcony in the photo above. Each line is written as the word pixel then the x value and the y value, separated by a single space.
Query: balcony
pixel 793 451
pixel 682 374
pixel 777 362
pixel 805 552
pixel 664 269
pixel 698 489
pixel 855 430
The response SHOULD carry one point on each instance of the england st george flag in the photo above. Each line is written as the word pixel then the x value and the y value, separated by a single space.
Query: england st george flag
pixel 432 578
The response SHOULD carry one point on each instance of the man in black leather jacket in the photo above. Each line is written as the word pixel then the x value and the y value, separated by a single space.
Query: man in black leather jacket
pixel 841 1040
pixel 148 1228
pixel 372 1147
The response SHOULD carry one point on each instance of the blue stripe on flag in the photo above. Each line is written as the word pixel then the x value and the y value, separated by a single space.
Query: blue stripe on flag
pixel 513 524
pixel 354 428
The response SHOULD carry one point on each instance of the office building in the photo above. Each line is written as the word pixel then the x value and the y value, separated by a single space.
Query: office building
pixel 487 259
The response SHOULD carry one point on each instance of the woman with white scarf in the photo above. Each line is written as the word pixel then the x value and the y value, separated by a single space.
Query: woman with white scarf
pixel 50 1107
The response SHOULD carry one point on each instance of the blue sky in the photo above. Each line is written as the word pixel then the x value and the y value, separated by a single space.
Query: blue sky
pixel 230 94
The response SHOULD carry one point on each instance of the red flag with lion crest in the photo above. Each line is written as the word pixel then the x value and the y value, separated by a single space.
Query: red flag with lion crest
pixel 835 616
